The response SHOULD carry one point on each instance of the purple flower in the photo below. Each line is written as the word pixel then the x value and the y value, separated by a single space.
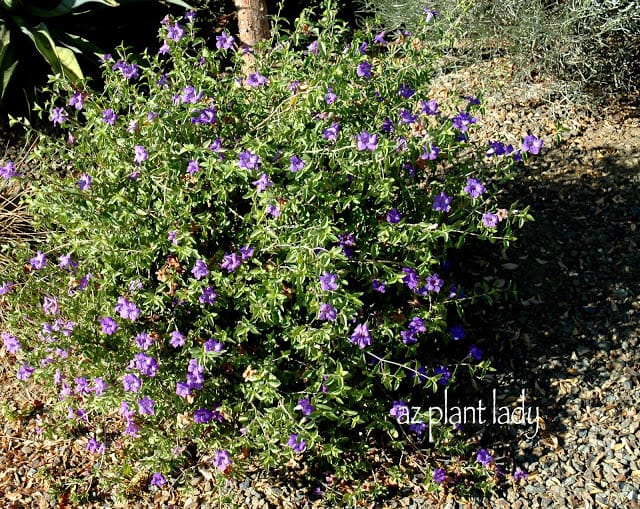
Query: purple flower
pixel 25 371
pixel 145 364
pixel 224 41
pixel 272 210
pixel 305 406
pixel 327 312
pixel 497 148
pixel 297 444
pixel 463 120
pixel 127 309
pixel 328 282
pixel 417 325
pixel 483 457
pixel 296 164
pixel 109 116
pixel 393 216
pixel 313 48
pixel 206 116
pixel 387 125
pixel 490 220
pixel 262 183
pixel 182 389
pixel 474 188
pixel 108 326
pixel 190 96
pixel 50 306
pixel 221 460
pixel 411 278
pixel 439 475
pixel 193 167
pixel 418 427
pixel 200 269
pixel 175 32
pixel 293 86
pixel 331 132
pixel 442 202
pixel 429 14
pixel 202 416
pixel 246 252
pixel 405 91
pixel 84 182
pixel 6 287
pixel 361 336
pixel 363 48
pixel 95 447
pixel 177 339
pixel 430 153
pixel 532 144
pixel 131 383
pixel 406 117
pixel 520 474
pixel 141 154
pixel 164 49
pixel 213 346
pixel 158 480
pixel 11 343
pixel 8 171
pixel 77 101
pixel 330 97
pixel 208 296
pixel 364 69
pixel 146 406
pixel 248 160
pixel 379 38
pixel 444 373
pixel 39 261
pixel 433 283
pixel 59 116
pixel 67 264
pixel 475 352
pixel 399 410
pixel 216 146
pixel 367 141
pixel 378 286
pixel 99 386
pixel 401 144
pixel 429 107
pixel 457 332
pixel 255 80
pixel 231 262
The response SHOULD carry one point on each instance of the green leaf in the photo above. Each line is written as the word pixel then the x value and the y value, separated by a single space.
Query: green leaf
pixel 8 59
pixel 61 60
pixel 66 6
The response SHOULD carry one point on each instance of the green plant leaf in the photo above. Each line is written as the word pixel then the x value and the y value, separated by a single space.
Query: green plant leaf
pixel 8 59
pixel 61 60
pixel 66 6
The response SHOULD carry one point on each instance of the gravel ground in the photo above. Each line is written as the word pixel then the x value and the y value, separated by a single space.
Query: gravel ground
pixel 570 339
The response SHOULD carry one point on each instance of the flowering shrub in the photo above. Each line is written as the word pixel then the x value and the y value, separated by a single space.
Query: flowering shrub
pixel 256 266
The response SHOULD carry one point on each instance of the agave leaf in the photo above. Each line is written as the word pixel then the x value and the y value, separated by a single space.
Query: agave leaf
pixel 66 6
pixel 8 59
pixel 61 60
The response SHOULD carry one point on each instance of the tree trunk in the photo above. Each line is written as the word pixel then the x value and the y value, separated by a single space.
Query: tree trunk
pixel 253 26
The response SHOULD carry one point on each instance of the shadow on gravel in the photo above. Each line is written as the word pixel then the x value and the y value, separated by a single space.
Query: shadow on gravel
pixel 578 305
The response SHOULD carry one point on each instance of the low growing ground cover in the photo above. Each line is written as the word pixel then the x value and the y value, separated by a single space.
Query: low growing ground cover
pixel 257 268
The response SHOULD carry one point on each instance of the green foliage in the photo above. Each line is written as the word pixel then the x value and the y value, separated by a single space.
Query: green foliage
pixel 188 163
pixel 595 44
pixel 35 28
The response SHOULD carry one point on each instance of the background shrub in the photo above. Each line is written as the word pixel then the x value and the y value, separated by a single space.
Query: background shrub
pixel 593 44
pixel 257 267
